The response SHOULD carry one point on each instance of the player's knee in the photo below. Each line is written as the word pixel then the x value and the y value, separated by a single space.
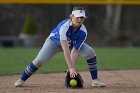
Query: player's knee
pixel 91 53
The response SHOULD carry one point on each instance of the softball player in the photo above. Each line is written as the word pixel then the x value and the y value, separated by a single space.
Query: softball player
pixel 68 36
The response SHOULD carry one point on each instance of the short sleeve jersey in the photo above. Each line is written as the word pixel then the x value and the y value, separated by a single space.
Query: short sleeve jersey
pixel 64 31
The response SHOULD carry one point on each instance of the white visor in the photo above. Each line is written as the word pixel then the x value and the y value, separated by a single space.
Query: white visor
pixel 79 13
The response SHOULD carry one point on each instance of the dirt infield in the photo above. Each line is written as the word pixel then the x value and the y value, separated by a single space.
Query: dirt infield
pixel 127 81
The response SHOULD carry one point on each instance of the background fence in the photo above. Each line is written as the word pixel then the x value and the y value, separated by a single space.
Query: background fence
pixel 109 22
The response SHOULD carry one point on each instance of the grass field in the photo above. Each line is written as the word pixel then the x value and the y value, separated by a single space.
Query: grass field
pixel 15 60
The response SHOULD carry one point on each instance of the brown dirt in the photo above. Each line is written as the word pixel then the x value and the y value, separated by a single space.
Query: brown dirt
pixel 127 81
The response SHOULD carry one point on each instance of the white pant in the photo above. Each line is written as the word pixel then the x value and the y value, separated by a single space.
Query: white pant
pixel 49 49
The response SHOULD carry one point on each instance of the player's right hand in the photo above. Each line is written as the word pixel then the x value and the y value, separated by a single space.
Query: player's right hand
pixel 73 72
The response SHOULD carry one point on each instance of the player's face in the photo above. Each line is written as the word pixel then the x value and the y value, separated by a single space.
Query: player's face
pixel 77 21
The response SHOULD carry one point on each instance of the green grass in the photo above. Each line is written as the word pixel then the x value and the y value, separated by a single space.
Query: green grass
pixel 118 58
pixel 15 60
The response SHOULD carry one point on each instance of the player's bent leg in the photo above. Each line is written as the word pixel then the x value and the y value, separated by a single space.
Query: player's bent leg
pixel 92 63
pixel 90 55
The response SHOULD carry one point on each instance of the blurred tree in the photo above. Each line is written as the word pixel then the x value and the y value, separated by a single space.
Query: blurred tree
pixel 29 26
pixel 29 31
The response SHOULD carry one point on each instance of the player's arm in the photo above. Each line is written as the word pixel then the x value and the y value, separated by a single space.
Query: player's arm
pixel 74 55
pixel 65 47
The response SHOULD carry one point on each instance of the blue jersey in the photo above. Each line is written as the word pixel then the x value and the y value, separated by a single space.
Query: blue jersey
pixel 64 31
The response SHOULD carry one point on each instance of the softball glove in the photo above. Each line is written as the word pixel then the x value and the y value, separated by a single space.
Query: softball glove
pixel 78 78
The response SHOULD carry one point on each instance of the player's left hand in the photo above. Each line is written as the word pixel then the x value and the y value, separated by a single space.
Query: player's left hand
pixel 73 72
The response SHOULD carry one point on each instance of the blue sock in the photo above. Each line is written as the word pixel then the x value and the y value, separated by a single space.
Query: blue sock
pixel 28 71
pixel 92 64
